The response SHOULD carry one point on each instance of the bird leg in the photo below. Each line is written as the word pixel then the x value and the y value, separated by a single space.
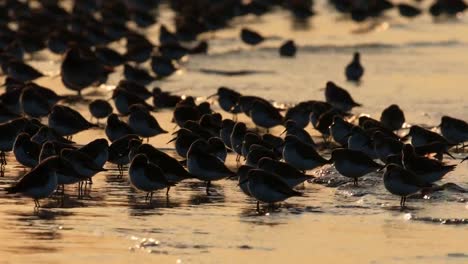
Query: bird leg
pixel 208 183
pixel 258 206
pixel 356 182
pixel 167 192
pixel 151 197
pixel 147 196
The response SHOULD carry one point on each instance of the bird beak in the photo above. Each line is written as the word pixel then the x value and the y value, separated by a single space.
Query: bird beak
pixel 284 131
pixel 383 167
pixel 171 140
pixel 211 96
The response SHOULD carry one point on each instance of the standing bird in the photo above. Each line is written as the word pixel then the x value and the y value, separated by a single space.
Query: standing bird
pixel 100 109
pixel 116 128
pixel 40 182
pixel 301 155
pixel 430 170
pixel 288 49
pixel 353 163
pixel 81 69
pixel 228 99
pixel 268 188
pixel 339 97
pixel 251 37
pixel 205 166
pixel 286 172
pixel 454 130
pixel 67 122
pixel 354 69
pixel 143 123
pixel 392 117
pixel 265 115
pixel 421 136
pixel 21 71
pixel 408 10
pixel 26 151
pixel 402 182
pixel 146 176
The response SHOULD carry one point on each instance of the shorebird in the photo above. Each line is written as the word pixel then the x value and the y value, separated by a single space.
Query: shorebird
pixel 420 136
pixel 353 163
pixel 256 152
pixel 354 69
pixel 33 103
pixel 162 99
pixel 183 140
pixel 392 117
pixel 97 150
pixel 299 113
pixel 301 155
pixel 40 182
pixel 100 109
pixel 116 128
pixel 294 130
pixel 108 56
pixel 288 49
pixel 242 174
pixel 205 166
pixel 217 148
pixel 134 88
pixel 227 125
pixel 237 136
pixel 408 10
pixel 265 115
pixel 454 130
pixel 46 133
pixel 430 170
pixel 268 188
pixel 119 150
pixel 80 69
pixel 9 131
pixel 83 164
pixel 47 150
pixel 385 146
pixel 143 123
pixel 147 176
pixel 184 113
pixel 250 139
pixel 251 37
pixel 227 100
pixel 173 170
pixel 339 97
pixel 162 66
pixel 21 71
pixel 123 99
pixel 359 140
pixel 340 130
pixel 402 182
pixel 67 122
pixel 285 171
pixel 26 151
pixel 137 75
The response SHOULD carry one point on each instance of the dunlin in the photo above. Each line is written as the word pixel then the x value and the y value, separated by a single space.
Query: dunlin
pixel 67 122
pixel 339 97
pixel 100 109
pixel 116 128
pixel 353 163
pixel 392 117
pixel 354 69
pixel 26 151
pixel 268 188
pixel 402 182
pixel 143 123
pixel 146 176
pixel 288 173
pixel 205 166
pixel 301 155
pixel 453 129
pixel 40 182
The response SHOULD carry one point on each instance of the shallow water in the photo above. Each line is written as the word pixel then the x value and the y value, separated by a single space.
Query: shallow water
pixel 419 64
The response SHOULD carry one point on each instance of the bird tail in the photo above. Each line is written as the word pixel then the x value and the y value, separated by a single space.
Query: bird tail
pixel 11 190
pixel 296 193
